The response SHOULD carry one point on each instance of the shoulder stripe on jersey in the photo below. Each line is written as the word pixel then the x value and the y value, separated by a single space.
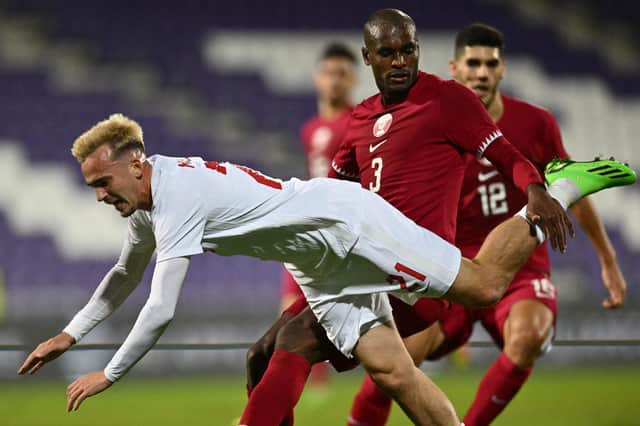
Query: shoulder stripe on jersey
pixel 488 141
pixel 343 172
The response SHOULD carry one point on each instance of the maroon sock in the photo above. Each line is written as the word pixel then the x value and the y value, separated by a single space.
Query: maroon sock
pixel 499 385
pixel 319 374
pixel 371 406
pixel 279 390
pixel 288 420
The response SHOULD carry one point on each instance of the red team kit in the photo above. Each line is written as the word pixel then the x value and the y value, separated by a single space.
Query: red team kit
pixel 437 127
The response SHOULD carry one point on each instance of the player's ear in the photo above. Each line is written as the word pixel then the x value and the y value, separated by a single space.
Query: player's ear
pixel 365 55
pixel 136 167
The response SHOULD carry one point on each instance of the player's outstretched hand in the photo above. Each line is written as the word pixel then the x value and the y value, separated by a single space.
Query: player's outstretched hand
pixel 46 351
pixel 616 285
pixel 549 215
pixel 84 387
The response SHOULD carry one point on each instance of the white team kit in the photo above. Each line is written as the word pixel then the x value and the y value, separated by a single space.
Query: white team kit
pixel 345 246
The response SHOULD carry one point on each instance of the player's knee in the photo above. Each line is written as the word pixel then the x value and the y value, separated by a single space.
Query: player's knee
pixel 258 357
pixel 395 379
pixel 257 353
pixel 525 345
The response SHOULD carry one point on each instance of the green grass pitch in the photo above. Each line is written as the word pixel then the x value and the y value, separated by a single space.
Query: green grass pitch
pixel 585 396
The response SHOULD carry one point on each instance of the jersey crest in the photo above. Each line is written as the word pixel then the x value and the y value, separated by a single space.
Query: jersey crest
pixel 382 125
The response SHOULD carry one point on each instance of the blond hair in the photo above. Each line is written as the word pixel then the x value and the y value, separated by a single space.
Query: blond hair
pixel 119 131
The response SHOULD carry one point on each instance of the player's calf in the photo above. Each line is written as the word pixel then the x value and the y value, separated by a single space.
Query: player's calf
pixel 260 352
pixel 382 354
pixel 303 335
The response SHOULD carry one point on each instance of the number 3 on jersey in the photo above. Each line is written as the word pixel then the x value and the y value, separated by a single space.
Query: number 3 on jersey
pixel 376 165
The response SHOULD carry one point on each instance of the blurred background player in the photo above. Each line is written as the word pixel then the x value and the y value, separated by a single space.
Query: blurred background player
pixel 335 79
pixel 522 323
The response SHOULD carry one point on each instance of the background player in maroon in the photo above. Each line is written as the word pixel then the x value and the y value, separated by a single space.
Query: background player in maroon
pixel 335 80
pixel 522 322
pixel 406 143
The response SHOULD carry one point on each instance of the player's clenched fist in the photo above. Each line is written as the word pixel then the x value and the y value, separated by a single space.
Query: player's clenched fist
pixel 46 351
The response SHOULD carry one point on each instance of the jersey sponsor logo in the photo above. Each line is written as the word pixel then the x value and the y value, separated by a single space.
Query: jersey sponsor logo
pixel 373 147
pixel 483 177
pixel 382 125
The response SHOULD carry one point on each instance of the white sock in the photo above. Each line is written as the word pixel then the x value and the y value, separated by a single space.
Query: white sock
pixel 565 192
pixel 540 235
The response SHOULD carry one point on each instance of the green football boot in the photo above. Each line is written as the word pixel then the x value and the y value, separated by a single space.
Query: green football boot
pixel 590 176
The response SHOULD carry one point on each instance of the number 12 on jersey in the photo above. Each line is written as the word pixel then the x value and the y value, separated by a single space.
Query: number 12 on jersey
pixel 493 199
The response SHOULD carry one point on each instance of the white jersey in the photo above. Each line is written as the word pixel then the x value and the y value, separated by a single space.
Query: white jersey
pixel 345 246
pixel 232 210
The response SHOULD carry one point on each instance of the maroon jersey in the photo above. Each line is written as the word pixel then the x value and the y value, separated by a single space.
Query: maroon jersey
pixel 321 139
pixel 411 153
pixel 487 198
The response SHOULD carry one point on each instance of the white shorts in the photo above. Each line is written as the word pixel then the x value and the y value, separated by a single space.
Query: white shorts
pixel 391 253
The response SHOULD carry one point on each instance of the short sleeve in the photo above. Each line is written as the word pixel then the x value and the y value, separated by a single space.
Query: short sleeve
pixel 345 163
pixel 465 121
pixel 179 222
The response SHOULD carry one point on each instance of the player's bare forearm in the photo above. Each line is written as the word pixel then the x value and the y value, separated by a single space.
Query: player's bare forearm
pixel 612 276
pixel 84 387
pixel 590 223
pixel 46 351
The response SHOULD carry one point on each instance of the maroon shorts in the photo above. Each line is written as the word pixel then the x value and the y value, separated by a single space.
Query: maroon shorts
pixel 457 321
pixel 409 320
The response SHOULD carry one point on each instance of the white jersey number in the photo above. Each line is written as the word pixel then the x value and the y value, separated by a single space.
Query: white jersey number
pixel 256 175
pixel 376 165
pixel 493 198
pixel 544 289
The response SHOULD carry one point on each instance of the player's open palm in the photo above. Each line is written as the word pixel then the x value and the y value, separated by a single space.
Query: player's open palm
pixel 45 352
pixel 84 387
